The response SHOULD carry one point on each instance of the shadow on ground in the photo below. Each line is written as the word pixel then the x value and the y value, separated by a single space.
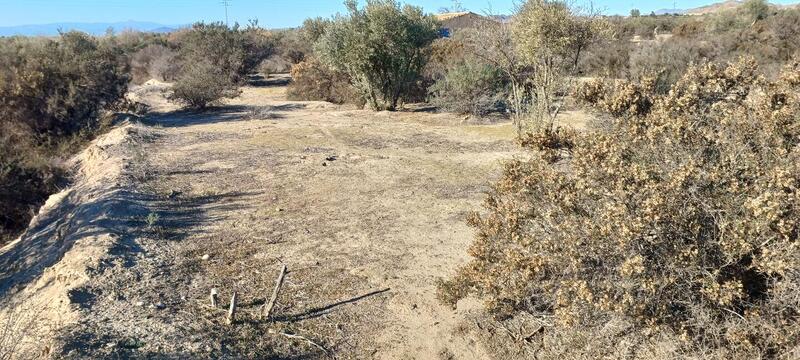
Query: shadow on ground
pixel 261 81
pixel 220 114
pixel 119 213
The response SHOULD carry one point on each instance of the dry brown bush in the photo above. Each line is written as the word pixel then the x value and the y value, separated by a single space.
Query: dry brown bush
pixel 681 222
pixel 53 93
pixel 312 80
pixel 618 98
pixel 201 85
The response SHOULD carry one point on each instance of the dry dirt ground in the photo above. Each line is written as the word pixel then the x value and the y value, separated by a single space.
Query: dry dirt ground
pixel 365 209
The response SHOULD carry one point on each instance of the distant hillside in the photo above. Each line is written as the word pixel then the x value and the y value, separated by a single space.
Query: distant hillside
pixel 715 8
pixel 91 28
pixel 727 6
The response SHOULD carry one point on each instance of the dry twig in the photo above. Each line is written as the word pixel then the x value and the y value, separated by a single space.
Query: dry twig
pixel 278 283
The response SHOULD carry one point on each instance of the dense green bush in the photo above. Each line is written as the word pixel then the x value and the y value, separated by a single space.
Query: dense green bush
pixel 681 221
pixel 382 47
pixel 470 88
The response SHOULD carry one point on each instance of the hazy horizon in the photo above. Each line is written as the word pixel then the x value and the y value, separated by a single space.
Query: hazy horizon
pixel 272 14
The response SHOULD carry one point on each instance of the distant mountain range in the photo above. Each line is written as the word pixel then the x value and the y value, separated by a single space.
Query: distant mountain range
pixel 91 28
pixel 715 8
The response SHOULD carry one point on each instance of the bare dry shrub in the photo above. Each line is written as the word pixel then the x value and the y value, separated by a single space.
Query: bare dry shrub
pixel 203 84
pixel 470 88
pixel 669 59
pixel 609 59
pixel 682 221
pixel 274 65
pixel 154 61
pixel 314 81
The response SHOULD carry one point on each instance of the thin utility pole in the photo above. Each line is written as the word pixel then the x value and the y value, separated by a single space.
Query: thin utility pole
pixel 226 4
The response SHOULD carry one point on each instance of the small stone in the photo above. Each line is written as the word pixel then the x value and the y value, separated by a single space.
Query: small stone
pixel 324 164
pixel 139 303
pixel 206 257
pixel 279 209
pixel 160 306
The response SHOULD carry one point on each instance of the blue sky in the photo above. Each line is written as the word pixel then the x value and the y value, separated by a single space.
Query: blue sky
pixel 271 13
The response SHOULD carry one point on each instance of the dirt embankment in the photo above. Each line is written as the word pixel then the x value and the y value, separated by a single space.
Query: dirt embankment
pixel 366 209
pixel 42 273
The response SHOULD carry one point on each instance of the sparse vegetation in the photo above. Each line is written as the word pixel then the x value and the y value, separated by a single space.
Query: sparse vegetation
pixel 670 230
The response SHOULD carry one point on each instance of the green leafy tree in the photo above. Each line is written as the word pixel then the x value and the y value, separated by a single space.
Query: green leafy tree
pixel 382 47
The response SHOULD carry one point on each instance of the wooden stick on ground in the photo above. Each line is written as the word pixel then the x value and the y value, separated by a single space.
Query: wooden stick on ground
pixel 214 298
pixel 232 309
pixel 278 283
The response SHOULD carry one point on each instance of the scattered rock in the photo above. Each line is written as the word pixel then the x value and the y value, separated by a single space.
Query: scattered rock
pixel 206 257
pixel 324 164
pixel 332 158
pixel 139 303
pixel 160 306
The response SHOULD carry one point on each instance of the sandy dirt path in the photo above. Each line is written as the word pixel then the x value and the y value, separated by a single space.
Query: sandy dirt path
pixel 366 209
